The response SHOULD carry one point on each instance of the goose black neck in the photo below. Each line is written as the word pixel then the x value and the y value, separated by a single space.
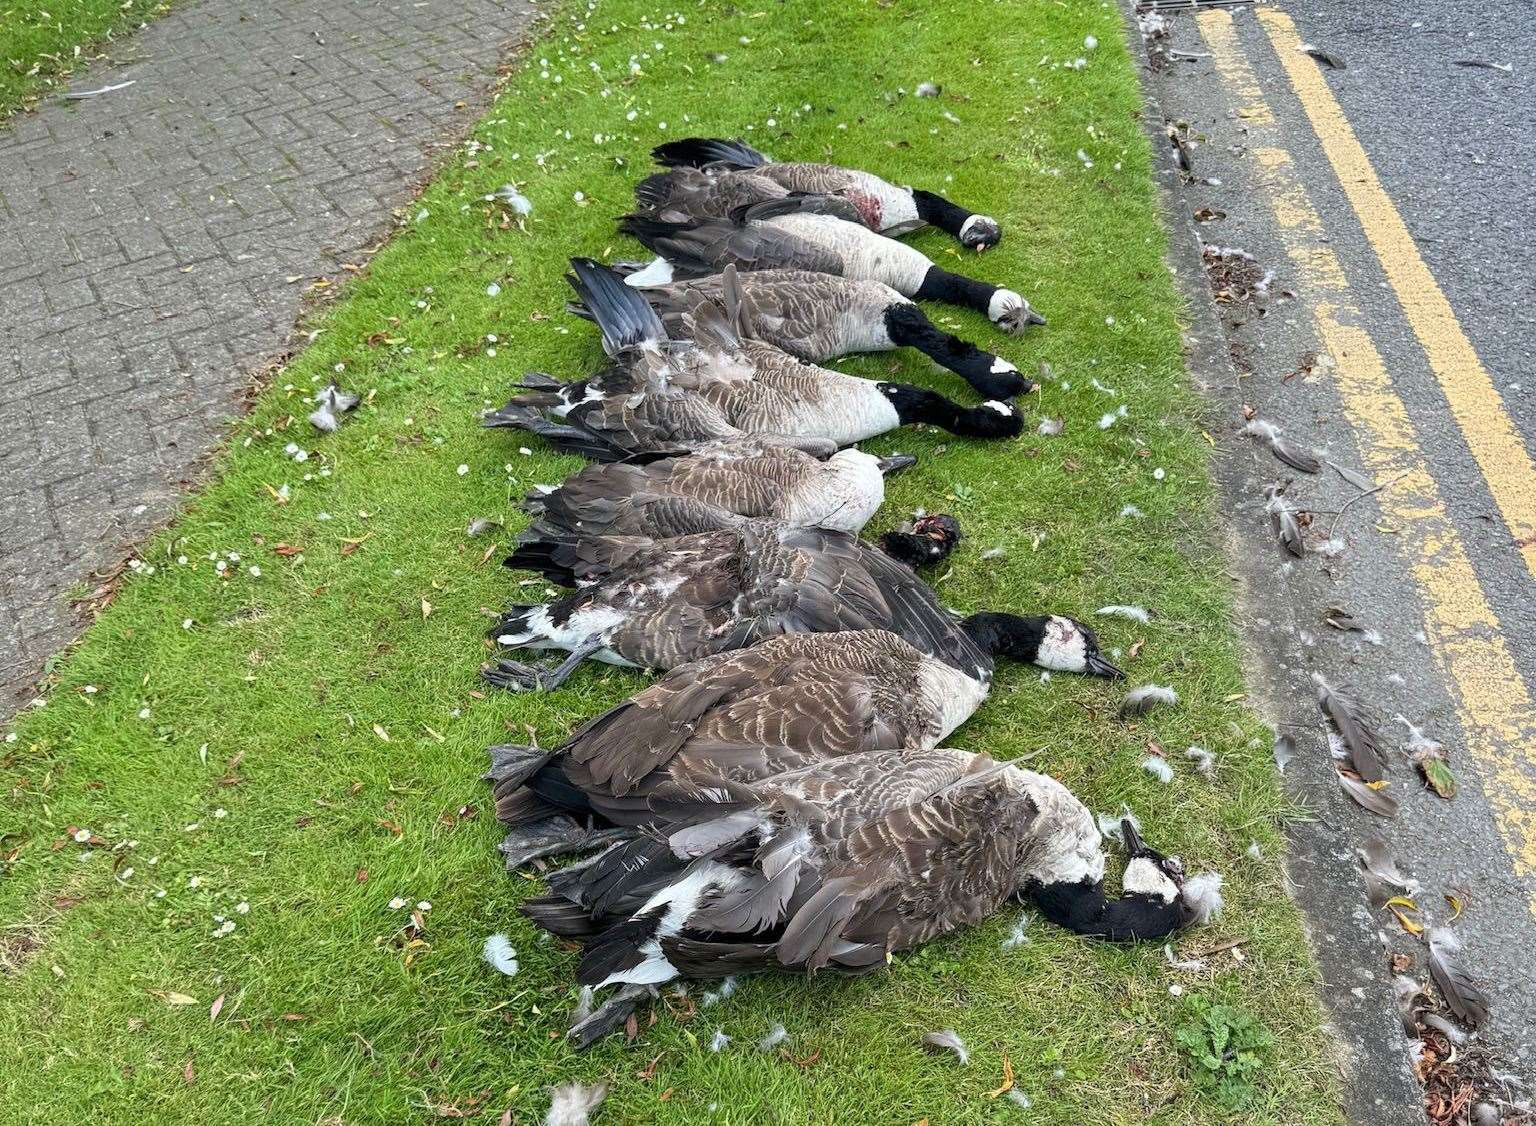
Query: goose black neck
pixel 1083 908
pixel 909 327
pixel 920 405
pixel 943 214
pixel 955 289
pixel 1006 635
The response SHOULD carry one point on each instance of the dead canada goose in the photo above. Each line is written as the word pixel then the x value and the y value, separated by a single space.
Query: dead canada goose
pixel 842 863
pixel 657 604
pixel 742 716
pixel 661 395
pixel 814 233
pixel 702 491
pixel 819 317
pixel 710 178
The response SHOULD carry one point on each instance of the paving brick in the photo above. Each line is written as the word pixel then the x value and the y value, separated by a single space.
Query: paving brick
pixel 117 367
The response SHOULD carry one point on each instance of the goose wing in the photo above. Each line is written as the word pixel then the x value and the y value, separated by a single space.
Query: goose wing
pixel 868 854
pixel 689 194
pixel 849 581
pixel 701 248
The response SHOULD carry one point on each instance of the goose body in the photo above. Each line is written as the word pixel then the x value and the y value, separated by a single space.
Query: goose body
pixel 841 863
pixel 677 495
pixel 819 316
pixel 740 716
pixel 662 603
pixel 663 395
pixel 709 178
pixel 814 234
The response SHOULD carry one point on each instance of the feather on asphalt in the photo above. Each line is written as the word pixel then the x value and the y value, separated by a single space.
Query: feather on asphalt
pixel 1354 727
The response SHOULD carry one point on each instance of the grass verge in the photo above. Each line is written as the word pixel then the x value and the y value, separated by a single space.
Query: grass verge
pixel 43 41
pixel 293 745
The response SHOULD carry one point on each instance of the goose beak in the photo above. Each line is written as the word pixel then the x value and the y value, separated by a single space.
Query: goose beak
pixel 1133 844
pixel 890 466
pixel 1033 318
pixel 1098 666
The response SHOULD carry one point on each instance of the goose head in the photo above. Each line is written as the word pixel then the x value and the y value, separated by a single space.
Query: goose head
pixel 930 540
pixel 1051 641
pixel 980 232
pixel 1011 312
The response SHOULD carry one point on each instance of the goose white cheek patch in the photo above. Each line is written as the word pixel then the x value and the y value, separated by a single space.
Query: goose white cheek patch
pixel 1142 877
pixel 1063 648
pixel 1001 366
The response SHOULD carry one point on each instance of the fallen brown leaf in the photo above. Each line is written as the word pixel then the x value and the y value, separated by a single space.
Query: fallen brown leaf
pixel 288 548
pixel 1007 1079
pixel 216 1008
pixel 188 1074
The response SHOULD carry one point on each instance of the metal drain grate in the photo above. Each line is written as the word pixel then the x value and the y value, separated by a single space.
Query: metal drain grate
pixel 1187 5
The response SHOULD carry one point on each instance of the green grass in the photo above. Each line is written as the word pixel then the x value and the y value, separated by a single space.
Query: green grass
pixel 43 41
pixel 259 774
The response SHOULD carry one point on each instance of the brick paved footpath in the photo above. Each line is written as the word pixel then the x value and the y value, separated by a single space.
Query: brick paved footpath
pixel 261 139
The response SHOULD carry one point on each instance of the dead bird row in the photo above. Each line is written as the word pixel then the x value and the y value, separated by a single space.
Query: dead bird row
pixel 780 798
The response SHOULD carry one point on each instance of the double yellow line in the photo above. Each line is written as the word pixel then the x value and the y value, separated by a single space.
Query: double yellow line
pixel 1464 634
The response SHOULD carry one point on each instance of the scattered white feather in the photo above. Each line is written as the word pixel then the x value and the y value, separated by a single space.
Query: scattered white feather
pixel 573 1104
pixel 1018 1098
pixel 776 1036
pixel 1131 510
pixel 1204 760
pixel 1202 895
pixel 1050 427
pixel 1330 548
pixel 516 200
pixel 1109 824
pixel 927 90
pixel 1253 851
pixel 1284 752
pixel 1259 428
pixel 1336 746
pixel 1191 965
pixel 1372 637
pixel 947 1040
pixel 1136 613
pixel 1418 742
pixel 499 953
pixel 1139 701
pixel 583 1007
pixel 1016 936
pixel 718 1040
pixel 993 553
pixel 727 987
pixel 1097 386
pixel 1159 768
pixel 1108 420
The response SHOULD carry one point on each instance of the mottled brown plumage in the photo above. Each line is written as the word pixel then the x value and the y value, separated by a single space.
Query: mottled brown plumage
pixel 659 604
pixel 743 716
pixel 701 492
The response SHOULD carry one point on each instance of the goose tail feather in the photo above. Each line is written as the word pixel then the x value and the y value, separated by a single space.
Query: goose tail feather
pixel 698 152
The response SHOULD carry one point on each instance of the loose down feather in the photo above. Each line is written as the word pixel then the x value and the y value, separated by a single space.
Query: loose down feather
pixel 1135 613
pixel 947 1040
pixel 333 403
pixel 1463 996
pixel 776 1036
pixel 573 1104
pixel 1159 767
pixel 1347 714
pixel 1204 760
pixel 1282 519
pixel 1429 756
pixel 499 953
pixel 1140 701
pixel 1201 895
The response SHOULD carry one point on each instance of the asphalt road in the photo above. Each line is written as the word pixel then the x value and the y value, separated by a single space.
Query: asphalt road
pixel 1455 150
